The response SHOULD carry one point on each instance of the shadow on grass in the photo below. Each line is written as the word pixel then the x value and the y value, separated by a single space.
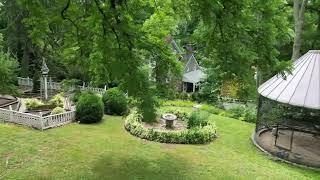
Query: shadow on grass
pixel 137 167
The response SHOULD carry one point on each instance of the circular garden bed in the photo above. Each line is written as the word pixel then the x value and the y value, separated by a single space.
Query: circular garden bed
pixel 186 133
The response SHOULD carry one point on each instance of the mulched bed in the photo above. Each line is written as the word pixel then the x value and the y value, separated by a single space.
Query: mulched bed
pixel 161 125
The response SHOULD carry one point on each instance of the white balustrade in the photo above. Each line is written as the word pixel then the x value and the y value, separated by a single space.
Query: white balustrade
pixel 25 81
pixel 58 86
pixel 56 120
pixel 35 121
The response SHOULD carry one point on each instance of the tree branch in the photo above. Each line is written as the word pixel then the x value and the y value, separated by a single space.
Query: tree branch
pixel 106 20
pixel 70 20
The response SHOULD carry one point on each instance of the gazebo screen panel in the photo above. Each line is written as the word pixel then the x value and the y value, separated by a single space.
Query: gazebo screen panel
pixel 272 113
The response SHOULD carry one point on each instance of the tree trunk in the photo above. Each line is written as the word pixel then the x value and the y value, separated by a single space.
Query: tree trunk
pixel 298 13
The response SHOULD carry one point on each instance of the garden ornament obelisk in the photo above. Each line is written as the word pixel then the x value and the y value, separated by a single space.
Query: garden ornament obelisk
pixel 45 71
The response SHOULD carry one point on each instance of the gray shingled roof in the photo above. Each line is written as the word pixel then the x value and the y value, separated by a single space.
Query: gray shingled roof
pixel 301 88
pixel 175 47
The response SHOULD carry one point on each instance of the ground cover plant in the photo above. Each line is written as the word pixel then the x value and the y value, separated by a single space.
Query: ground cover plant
pixel 36 104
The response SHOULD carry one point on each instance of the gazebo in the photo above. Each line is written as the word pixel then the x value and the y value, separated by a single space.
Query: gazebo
pixel 288 120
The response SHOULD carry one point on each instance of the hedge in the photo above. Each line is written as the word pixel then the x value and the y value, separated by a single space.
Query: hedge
pixel 199 135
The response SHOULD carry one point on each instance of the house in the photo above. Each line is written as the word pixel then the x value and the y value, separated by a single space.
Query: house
pixel 193 73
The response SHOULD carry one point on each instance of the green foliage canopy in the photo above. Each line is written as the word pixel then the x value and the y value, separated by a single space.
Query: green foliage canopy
pixel 8 68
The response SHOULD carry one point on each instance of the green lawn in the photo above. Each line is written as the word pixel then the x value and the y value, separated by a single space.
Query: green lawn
pixel 107 151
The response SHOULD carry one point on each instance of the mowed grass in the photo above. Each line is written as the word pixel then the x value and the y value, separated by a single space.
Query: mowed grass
pixel 107 151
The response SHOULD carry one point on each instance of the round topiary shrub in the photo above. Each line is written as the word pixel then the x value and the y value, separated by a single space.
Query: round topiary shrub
pixel 115 102
pixel 89 108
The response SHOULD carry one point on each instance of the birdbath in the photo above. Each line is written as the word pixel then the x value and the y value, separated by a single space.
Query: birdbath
pixel 169 118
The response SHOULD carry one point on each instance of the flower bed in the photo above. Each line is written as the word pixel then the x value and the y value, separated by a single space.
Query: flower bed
pixel 197 135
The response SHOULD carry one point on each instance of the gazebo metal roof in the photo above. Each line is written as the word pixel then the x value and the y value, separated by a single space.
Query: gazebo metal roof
pixel 301 88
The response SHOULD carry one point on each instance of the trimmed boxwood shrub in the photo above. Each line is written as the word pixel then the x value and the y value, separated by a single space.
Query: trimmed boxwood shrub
pixel 76 96
pixel 89 108
pixel 115 102
pixel 197 135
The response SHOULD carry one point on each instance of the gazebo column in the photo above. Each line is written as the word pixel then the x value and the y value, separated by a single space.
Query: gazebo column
pixel 194 87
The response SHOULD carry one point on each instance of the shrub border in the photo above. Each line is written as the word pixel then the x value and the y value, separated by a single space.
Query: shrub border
pixel 204 135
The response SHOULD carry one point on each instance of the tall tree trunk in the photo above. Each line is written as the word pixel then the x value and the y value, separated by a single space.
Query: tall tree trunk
pixel 298 13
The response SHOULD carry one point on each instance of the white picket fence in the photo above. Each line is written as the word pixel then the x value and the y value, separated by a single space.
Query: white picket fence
pixel 54 85
pixel 232 100
pixel 25 81
pixel 36 121
pixel 58 86
pixel 93 89
pixel 58 119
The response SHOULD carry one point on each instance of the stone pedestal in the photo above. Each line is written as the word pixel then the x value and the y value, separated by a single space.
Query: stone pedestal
pixel 169 118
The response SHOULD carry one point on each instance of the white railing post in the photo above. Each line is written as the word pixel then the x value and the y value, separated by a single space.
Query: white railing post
pixel 11 114
pixel 50 83
pixel 41 121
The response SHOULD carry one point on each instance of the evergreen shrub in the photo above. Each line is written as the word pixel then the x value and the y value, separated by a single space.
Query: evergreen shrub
pixel 89 108
pixel 115 102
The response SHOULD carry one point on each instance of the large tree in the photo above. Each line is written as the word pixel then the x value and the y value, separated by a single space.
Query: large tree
pixel 240 37
pixel 299 7
pixel 107 41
